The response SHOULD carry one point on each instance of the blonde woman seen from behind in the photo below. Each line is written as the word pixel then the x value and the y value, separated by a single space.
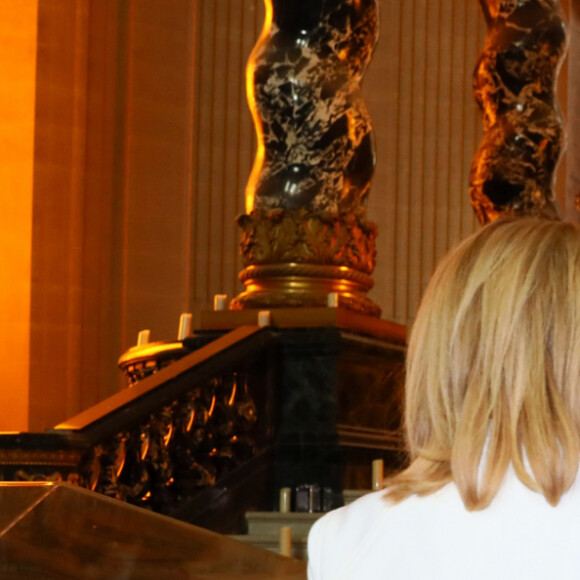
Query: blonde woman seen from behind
pixel 492 416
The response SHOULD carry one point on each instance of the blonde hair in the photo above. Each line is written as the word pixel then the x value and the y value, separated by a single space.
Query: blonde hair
pixel 493 366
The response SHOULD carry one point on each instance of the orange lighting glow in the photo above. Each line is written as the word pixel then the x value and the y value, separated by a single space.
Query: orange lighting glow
pixel 260 153
pixel 18 34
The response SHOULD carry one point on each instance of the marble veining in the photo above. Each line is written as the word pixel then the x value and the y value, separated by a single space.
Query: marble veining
pixel 315 140
pixel 514 84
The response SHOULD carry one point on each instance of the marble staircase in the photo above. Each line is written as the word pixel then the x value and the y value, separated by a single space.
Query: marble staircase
pixel 264 528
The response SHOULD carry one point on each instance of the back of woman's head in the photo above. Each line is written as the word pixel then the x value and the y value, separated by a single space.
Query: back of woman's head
pixel 493 366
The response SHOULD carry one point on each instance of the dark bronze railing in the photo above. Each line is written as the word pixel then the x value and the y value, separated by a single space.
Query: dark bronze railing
pixel 218 431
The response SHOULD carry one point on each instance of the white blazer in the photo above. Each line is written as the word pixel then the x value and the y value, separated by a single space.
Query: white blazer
pixel 435 538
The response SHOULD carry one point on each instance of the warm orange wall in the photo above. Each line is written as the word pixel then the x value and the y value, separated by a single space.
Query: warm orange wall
pixel 77 220
pixel 17 97
pixel 143 145
pixel 157 162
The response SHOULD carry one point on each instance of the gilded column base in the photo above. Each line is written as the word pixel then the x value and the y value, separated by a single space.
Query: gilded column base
pixel 304 285
pixel 295 258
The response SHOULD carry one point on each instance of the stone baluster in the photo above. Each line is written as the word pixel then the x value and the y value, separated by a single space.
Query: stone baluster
pixel 305 233
pixel 514 84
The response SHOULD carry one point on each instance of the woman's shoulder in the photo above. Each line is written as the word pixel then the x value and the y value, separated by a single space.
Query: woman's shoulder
pixel 356 517
pixel 338 539
pixel 338 536
pixel 518 531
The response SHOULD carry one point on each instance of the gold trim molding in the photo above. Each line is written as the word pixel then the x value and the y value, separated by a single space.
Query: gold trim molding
pixel 304 285
pixel 296 258
pixel 143 360
pixel 302 237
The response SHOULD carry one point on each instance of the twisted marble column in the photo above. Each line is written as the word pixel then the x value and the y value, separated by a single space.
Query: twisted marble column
pixel 305 234
pixel 514 84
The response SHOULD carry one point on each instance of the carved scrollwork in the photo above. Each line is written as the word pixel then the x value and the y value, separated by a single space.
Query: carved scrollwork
pixel 184 447
pixel 54 477
pixel 133 480
pixel 297 236
pixel 109 460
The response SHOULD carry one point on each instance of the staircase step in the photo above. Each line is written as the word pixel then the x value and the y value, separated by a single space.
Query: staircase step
pixel 264 527
pixel 271 543
pixel 269 523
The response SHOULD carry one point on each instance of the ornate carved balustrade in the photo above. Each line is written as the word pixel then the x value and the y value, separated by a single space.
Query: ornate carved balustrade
pixel 177 432
pixel 244 413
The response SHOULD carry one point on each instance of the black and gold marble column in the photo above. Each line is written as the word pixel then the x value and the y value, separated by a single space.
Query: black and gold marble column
pixel 514 84
pixel 305 233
